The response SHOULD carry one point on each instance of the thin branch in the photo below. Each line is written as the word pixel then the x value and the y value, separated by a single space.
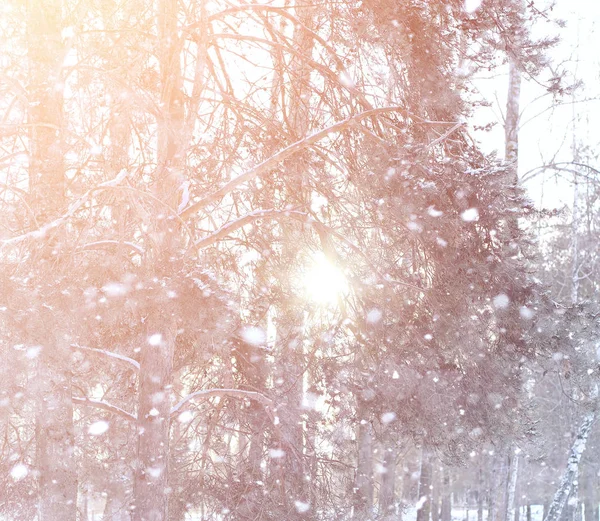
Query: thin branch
pixel 233 393
pixel 105 406
pixel 111 242
pixel 270 163
pixel 109 354
pixel 76 205
pixel 232 226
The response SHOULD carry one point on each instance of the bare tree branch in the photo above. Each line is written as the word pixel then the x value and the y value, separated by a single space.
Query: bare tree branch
pixel 105 406
pixel 233 393
pixel 273 161
pixel 109 354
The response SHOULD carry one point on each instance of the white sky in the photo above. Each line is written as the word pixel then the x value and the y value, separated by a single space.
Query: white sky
pixel 547 133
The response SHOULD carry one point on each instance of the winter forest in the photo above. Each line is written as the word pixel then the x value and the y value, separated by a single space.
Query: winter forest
pixel 289 260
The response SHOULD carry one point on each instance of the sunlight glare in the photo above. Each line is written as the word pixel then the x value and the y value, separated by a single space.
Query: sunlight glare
pixel 323 282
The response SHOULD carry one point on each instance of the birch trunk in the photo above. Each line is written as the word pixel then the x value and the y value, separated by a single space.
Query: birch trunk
pixel 425 485
pixel 564 490
pixel 511 485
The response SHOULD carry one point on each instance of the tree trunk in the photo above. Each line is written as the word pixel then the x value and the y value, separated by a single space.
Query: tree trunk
pixel 446 510
pixel 290 318
pixel 435 495
pixel 387 495
pixel 572 470
pixel 511 485
pixel 480 492
pixel 54 427
pixel 151 483
pixel 54 410
pixel 363 497
pixel 425 484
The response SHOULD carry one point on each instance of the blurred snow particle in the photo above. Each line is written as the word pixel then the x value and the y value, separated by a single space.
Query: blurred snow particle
pixel 254 335
pixel 388 417
pixel 19 471
pixel 428 336
pixel 114 289
pixel 67 33
pixel 185 417
pixel 346 80
pixel 433 212
pixel 414 227
pixel 470 215
pixel 155 339
pixel 374 316
pixel 501 301
pixel 153 412
pixel 301 506
pixel 526 313
pixel 276 453
pixel 441 242
pixel 98 428
pixel 472 5
pixel 154 472
pixel 33 352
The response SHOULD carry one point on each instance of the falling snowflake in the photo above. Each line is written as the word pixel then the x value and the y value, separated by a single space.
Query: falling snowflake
pixel 276 453
pixel 470 215
pixel 433 212
pixel 155 339
pixel 472 5
pixel 19 471
pixel 98 428
pixel 154 472
pixel 254 335
pixel 33 352
pixel 501 301
pixel 346 80
pixel 374 316
pixel 114 289
pixel 185 417
pixel 526 313
pixel 301 506
pixel 388 417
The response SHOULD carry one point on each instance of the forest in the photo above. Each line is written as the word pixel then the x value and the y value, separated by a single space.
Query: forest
pixel 290 260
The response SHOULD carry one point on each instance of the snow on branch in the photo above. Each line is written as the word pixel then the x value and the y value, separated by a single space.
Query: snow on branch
pixel 73 207
pixel 112 242
pixel 232 226
pixel 268 164
pixel 99 404
pixel 234 393
pixel 109 354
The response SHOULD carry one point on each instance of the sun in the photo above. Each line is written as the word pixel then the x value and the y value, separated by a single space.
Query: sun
pixel 323 282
